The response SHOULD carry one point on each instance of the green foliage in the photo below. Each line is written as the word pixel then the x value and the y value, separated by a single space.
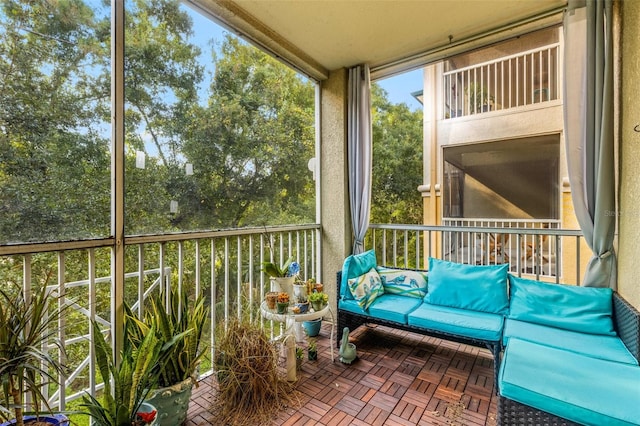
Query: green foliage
pixel 126 384
pixel 179 329
pixel 28 326
pixel 478 97
pixel 275 271
pixel 397 161
pixel 318 297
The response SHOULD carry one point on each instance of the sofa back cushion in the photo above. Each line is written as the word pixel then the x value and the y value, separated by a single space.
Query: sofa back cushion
pixel 582 309
pixel 404 282
pixel 354 266
pixel 477 287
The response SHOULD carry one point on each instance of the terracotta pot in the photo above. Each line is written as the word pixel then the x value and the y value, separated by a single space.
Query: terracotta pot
pixel 271 298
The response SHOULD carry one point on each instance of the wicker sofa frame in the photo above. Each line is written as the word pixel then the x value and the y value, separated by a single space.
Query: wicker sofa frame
pixel 626 320
pixel 353 321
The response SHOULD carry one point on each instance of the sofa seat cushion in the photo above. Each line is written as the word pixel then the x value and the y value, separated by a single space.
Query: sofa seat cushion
pixel 475 287
pixel 576 387
pixel 351 305
pixel 392 307
pixel 582 309
pixel 388 307
pixel 460 322
pixel 594 345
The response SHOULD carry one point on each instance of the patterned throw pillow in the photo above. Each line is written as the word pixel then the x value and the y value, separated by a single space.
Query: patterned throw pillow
pixel 366 288
pixel 403 282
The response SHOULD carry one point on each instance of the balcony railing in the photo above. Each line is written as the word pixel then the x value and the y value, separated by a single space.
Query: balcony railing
pixel 224 266
pixel 526 78
pixel 533 249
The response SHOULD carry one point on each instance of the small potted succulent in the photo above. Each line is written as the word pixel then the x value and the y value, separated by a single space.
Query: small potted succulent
pixel 282 303
pixel 299 355
pixel 312 349
pixel 318 300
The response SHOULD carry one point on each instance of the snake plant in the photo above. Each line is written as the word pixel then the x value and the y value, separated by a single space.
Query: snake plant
pixel 126 384
pixel 179 329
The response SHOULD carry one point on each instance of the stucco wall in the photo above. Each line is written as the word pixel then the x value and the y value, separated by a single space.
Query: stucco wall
pixel 336 230
pixel 629 213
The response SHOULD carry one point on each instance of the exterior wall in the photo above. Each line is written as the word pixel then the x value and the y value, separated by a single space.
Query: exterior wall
pixel 520 44
pixel 334 196
pixel 629 126
pixel 501 125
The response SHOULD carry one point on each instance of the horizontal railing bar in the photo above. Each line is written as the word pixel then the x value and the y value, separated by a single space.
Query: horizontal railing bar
pixel 200 235
pixel 502 59
pixel 26 248
pixel 482 230
pixel 495 219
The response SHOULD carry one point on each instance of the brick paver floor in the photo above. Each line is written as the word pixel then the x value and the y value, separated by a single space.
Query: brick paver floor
pixel 399 378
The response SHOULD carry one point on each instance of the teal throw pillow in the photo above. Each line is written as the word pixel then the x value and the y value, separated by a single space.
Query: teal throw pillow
pixel 354 266
pixel 404 282
pixel 366 288
pixel 582 309
pixel 477 287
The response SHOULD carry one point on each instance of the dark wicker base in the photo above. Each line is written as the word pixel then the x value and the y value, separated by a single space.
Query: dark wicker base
pixel 513 413
pixel 353 321
pixel 626 319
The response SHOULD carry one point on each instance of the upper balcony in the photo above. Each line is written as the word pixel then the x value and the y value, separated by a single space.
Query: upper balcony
pixel 529 78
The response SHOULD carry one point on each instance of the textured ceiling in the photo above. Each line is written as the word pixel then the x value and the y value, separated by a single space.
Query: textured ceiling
pixel 331 34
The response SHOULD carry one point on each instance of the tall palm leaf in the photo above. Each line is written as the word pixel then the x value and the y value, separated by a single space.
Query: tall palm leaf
pixel 29 329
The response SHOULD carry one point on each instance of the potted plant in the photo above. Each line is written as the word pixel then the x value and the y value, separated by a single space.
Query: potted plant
pixel 299 355
pixel 312 349
pixel 312 327
pixel 282 277
pixel 282 303
pixel 479 98
pixel 179 329
pixel 126 384
pixel 28 326
pixel 318 300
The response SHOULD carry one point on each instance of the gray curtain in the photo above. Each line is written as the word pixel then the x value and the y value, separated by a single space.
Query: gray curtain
pixel 588 123
pixel 359 152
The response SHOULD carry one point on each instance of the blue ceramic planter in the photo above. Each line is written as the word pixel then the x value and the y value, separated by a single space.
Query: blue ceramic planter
pixel 312 327
pixel 52 419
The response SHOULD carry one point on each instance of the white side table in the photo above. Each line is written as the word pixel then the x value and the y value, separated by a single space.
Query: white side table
pixel 293 324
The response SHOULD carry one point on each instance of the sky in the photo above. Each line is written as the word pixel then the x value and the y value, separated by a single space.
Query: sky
pixel 398 88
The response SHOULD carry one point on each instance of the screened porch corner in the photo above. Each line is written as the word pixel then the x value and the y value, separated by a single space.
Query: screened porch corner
pixel 400 378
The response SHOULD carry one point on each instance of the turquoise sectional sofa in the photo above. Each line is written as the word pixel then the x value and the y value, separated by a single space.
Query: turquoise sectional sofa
pixel 562 354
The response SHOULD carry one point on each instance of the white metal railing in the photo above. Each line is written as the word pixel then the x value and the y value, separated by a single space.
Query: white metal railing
pixel 534 251
pixel 525 78
pixel 521 253
pixel 224 266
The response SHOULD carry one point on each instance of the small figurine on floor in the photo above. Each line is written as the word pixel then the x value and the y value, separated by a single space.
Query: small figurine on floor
pixel 347 350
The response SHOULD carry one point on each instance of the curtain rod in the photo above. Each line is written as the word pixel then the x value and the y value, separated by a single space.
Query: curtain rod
pixel 431 55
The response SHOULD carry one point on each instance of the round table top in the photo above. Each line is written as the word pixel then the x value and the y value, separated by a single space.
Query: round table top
pixel 272 314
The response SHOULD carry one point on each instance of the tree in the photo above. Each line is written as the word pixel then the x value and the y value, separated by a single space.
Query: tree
pixel 397 161
pixel 54 165
pixel 250 145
